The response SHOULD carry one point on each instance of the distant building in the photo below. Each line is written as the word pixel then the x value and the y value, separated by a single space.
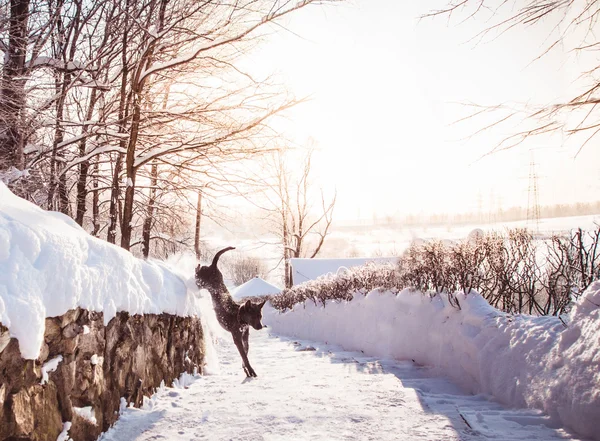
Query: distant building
pixel 254 288
pixel 311 269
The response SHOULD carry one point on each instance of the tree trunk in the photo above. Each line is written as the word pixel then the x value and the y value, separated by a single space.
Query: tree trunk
pixel 147 228
pixel 134 131
pixel 113 212
pixel 12 96
pixel 95 201
pixel 285 240
pixel 130 173
pixel 57 184
pixel 123 111
pixel 85 165
pixel 197 229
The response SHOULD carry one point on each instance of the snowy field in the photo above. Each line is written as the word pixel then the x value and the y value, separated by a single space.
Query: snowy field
pixel 314 391
pixel 391 240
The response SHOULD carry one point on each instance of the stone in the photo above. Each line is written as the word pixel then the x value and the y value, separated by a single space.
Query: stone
pixel 4 337
pixel 133 354
pixel 44 352
pixel 53 331
pixel 72 330
pixel 20 408
pixel 69 317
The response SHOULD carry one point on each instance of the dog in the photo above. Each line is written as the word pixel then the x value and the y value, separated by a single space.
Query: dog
pixel 232 316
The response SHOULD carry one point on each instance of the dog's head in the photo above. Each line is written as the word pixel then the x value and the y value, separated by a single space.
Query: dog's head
pixel 251 313
pixel 210 276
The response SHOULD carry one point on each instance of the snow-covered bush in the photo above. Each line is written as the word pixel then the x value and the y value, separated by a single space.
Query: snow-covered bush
pixel 514 272
pixel 340 287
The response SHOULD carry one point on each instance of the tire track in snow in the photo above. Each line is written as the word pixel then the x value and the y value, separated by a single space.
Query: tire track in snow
pixel 324 394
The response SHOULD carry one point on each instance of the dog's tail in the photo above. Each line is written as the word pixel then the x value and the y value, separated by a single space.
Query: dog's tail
pixel 216 258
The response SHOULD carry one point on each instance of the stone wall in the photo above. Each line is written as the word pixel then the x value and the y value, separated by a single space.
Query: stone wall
pixel 127 359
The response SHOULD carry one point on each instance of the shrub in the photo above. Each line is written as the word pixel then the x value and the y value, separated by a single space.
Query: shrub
pixel 241 268
pixel 514 272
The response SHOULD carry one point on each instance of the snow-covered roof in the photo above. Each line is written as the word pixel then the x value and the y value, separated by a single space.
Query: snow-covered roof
pixel 253 288
pixel 49 265
pixel 311 269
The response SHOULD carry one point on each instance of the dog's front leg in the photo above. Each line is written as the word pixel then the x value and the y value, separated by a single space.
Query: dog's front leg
pixel 237 339
pixel 245 334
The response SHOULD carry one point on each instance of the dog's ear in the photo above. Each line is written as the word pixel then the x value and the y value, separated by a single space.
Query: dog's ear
pixel 245 307
pixel 261 304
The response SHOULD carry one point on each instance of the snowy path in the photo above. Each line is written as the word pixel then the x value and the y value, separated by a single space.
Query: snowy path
pixel 324 394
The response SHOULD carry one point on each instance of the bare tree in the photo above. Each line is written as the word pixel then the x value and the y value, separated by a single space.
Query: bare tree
pixel 241 268
pixel 301 219
pixel 140 102
pixel 12 94
pixel 573 28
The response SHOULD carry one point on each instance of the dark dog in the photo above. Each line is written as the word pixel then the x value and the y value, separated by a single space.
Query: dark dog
pixel 234 317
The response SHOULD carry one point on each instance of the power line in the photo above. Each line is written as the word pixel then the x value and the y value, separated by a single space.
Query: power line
pixel 533 199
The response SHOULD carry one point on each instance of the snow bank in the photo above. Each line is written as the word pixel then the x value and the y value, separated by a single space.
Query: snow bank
pixel 522 361
pixel 48 265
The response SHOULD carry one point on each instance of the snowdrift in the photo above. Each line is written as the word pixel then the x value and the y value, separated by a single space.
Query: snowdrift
pixel 255 287
pixel 49 265
pixel 522 361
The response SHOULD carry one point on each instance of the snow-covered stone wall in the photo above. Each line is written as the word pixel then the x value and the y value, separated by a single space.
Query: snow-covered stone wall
pixel 86 371
pixel 522 361
pixel 50 265
pixel 84 326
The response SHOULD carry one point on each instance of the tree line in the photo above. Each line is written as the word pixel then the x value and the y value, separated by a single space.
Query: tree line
pixel 128 115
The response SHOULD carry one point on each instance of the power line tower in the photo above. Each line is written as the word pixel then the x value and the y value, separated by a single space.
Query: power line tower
pixel 533 200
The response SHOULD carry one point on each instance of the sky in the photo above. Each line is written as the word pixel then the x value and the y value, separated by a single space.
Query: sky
pixel 387 89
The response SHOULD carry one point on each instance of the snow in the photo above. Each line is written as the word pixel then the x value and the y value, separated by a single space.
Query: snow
pixel 522 361
pixel 185 380
pixel 43 61
pixel 50 366
pixel 86 413
pixel 304 270
pixel 310 390
pixel 49 265
pixel 64 435
pixel 392 239
pixel 13 174
pixel 313 391
pixel 253 288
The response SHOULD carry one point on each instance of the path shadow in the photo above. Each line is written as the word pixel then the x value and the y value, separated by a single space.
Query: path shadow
pixel 473 417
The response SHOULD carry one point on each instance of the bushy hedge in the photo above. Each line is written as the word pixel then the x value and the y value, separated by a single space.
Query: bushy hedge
pixel 341 287
pixel 515 272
